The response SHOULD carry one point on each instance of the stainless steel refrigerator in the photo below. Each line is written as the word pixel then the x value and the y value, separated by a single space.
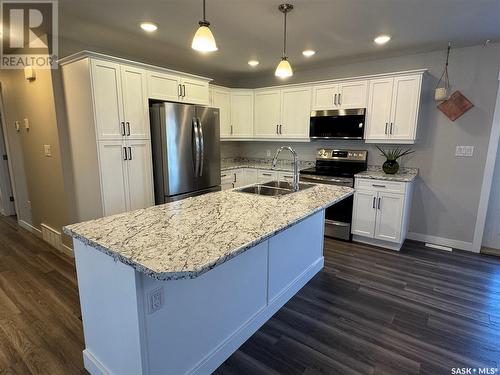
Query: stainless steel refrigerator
pixel 186 151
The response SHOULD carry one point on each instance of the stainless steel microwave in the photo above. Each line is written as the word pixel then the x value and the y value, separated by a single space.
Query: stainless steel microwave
pixel 337 124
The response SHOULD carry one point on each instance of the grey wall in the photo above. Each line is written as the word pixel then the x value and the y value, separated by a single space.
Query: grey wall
pixel 447 192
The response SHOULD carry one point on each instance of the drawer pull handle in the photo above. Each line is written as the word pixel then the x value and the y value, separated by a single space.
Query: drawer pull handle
pixel 223 175
pixel 267 174
pixel 380 186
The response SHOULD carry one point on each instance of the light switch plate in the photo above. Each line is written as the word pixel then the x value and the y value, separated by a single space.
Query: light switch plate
pixel 27 124
pixel 47 150
pixel 464 151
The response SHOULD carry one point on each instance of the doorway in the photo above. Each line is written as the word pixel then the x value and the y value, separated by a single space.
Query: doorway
pixel 491 237
pixel 7 207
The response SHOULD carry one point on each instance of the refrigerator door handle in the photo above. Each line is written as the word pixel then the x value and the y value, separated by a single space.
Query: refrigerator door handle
pixel 196 147
pixel 202 146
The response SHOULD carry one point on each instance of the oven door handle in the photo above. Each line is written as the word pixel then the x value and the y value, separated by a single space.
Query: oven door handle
pixel 323 179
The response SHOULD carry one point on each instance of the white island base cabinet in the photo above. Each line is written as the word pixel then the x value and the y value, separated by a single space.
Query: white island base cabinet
pixel 381 212
pixel 135 324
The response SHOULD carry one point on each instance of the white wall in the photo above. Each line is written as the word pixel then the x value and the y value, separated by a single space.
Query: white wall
pixel 447 192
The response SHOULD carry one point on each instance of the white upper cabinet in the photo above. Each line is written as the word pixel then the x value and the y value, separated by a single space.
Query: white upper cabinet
pixel 194 91
pixel 135 102
pixel 107 93
pixel 171 87
pixel 393 106
pixel 379 108
pixel 295 112
pixel 267 113
pixel 120 101
pixel 405 103
pixel 162 86
pixel 242 113
pixel 283 113
pixel 340 95
pixel 352 94
pixel 221 98
pixel 325 96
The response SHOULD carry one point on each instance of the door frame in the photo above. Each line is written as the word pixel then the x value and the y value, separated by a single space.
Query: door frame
pixel 6 175
pixel 489 170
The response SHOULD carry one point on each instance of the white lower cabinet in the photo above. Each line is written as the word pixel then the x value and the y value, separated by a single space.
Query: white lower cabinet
pixel 126 175
pixel 380 215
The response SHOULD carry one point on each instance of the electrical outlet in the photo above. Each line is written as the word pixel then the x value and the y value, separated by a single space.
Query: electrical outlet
pixel 155 299
pixel 469 151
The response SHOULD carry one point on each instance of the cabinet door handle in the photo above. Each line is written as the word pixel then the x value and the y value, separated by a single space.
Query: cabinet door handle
pixel 374 199
pixel 391 129
pixel 125 157
pixel 386 125
pixel 179 90
pixel 335 99
pixel 234 177
pixel 379 186
pixel 340 99
pixel 123 128
pixel 379 200
pixel 280 129
pixel 184 90
pixel 130 153
pixel 128 128
pixel 223 175
pixel 267 174
pixel 277 129
pixel 231 129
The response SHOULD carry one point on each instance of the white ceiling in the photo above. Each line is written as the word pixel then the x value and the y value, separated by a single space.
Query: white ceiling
pixel 252 29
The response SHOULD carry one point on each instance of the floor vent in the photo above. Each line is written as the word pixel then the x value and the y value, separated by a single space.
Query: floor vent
pixel 439 247
pixel 52 236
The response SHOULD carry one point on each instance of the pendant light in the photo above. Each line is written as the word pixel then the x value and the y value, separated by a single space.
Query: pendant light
pixel 284 68
pixel 204 40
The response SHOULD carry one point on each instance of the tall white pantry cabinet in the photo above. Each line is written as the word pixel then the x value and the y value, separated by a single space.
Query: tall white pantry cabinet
pixel 107 102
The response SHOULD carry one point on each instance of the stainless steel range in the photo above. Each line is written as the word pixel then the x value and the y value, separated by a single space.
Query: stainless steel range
pixel 337 167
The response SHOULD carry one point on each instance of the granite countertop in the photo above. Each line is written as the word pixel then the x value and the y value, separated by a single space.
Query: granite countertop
pixel 282 165
pixel 376 172
pixel 184 239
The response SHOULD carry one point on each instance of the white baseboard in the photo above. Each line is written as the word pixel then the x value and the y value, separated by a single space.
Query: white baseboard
pixel 376 242
pixel 92 365
pixel 30 228
pixel 441 241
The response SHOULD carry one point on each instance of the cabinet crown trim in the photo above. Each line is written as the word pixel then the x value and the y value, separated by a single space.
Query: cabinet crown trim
pixel 95 55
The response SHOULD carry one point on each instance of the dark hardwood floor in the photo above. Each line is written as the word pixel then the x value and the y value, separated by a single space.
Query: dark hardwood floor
pixel 370 311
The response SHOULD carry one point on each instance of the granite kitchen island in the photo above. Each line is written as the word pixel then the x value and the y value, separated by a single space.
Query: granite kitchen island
pixel 177 288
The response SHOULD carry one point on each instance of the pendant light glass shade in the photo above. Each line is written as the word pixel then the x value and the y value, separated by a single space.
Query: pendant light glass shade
pixel 284 69
pixel 204 40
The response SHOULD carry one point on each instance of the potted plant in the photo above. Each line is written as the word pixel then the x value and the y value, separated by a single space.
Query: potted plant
pixel 391 165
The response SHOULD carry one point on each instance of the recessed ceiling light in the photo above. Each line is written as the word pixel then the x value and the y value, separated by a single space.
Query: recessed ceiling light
pixel 308 52
pixel 382 39
pixel 149 26
pixel 253 63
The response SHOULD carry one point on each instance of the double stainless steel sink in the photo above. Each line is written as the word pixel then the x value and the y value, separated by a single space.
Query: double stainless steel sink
pixel 273 188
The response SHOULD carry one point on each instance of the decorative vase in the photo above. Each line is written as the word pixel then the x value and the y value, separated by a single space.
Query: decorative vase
pixel 390 166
